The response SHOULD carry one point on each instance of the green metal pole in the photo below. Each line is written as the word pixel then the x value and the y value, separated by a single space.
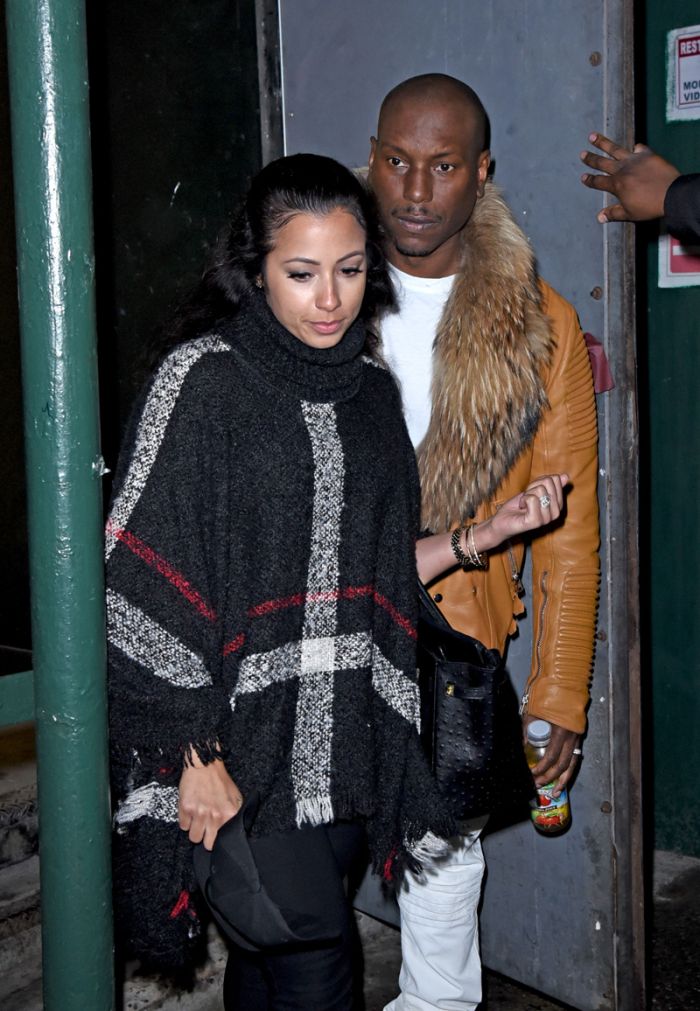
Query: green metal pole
pixel 51 165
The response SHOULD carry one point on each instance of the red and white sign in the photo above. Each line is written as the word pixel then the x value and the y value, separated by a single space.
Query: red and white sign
pixel 683 77
pixel 679 265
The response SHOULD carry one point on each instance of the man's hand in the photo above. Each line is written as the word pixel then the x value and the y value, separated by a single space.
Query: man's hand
pixel 208 799
pixel 638 178
pixel 559 762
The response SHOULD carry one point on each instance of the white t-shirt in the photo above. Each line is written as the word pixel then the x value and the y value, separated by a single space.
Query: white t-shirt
pixel 407 342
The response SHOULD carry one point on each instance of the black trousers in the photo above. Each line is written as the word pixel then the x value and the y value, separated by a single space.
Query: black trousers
pixel 309 977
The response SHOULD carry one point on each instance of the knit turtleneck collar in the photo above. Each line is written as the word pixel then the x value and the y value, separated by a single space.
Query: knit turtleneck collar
pixel 295 368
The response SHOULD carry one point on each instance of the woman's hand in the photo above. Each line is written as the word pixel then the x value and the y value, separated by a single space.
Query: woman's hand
pixel 434 554
pixel 208 798
pixel 541 503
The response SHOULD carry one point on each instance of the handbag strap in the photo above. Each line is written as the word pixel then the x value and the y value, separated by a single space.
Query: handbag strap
pixel 427 602
pixel 489 657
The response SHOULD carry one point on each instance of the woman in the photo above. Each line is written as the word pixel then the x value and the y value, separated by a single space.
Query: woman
pixel 261 585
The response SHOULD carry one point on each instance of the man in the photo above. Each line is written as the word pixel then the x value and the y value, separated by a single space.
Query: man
pixel 511 399
pixel 646 186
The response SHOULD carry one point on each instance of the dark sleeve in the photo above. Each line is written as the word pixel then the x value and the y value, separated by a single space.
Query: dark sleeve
pixel 166 564
pixel 682 208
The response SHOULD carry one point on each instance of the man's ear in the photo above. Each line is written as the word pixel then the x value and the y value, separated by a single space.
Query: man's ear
pixel 372 150
pixel 483 171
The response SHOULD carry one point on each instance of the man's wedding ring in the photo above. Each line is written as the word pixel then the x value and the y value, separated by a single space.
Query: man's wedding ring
pixel 577 751
pixel 545 500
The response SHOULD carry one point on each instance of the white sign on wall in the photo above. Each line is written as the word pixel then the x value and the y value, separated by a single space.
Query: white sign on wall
pixel 683 74
pixel 679 265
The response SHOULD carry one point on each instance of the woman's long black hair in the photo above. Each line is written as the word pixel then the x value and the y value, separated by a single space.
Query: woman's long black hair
pixel 297 184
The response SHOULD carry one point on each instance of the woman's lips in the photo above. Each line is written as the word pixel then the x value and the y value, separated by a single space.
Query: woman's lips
pixel 326 328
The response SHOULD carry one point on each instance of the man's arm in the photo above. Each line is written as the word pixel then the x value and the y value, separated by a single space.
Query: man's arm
pixel 639 179
pixel 682 208
pixel 565 559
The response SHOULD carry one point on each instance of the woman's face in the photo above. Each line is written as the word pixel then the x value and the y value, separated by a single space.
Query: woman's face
pixel 315 276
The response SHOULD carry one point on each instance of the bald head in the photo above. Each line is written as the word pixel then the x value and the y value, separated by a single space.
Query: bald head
pixel 438 90
pixel 428 166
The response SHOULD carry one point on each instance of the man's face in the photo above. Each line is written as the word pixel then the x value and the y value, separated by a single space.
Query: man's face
pixel 426 170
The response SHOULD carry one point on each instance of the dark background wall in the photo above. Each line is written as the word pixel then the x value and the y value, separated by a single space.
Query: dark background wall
pixel 670 328
pixel 14 605
pixel 176 137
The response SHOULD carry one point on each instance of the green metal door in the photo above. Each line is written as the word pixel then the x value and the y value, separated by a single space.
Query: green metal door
pixel 671 476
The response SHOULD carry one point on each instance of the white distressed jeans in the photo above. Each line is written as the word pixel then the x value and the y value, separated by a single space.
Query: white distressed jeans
pixel 441 965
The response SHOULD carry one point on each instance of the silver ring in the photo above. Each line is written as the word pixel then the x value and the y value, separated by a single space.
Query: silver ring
pixel 577 751
pixel 545 500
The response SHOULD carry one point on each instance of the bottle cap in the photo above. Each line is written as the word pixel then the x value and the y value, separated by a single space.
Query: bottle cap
pixel 539 732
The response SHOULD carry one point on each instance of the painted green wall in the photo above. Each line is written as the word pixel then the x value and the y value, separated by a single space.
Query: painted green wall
pixel 671 416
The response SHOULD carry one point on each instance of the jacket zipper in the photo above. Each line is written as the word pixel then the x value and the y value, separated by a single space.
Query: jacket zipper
pixel 518 587
pixel 538 648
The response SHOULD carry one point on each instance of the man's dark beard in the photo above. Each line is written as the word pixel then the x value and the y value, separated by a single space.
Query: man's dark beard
pixel 413 252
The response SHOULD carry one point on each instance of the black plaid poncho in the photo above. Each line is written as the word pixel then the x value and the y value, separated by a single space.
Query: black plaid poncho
pixel 262 594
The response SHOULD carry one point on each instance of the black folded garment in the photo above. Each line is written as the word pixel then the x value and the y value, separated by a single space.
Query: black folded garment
pixel 260 904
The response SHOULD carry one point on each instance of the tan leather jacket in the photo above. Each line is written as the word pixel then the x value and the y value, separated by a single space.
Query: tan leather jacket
pixel 565 559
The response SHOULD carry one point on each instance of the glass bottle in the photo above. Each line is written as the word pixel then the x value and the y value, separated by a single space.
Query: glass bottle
pixel 550 815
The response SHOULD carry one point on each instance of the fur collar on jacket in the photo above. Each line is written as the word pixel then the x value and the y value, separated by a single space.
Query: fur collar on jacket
pixel 493 345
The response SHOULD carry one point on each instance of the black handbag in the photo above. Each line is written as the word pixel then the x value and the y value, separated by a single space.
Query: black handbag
pixel 470 725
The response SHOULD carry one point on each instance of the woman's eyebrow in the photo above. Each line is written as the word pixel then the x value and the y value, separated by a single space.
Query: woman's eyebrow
pixel 316 263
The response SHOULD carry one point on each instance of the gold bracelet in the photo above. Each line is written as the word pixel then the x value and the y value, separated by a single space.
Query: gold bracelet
pixel 476 559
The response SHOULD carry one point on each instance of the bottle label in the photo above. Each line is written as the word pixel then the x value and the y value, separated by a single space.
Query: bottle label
pixel 550 813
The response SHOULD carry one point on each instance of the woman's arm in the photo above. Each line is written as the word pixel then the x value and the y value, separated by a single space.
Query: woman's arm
pixel 524 512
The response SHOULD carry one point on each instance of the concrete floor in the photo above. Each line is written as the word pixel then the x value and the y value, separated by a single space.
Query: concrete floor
pixel 675 933
pixel 674 986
